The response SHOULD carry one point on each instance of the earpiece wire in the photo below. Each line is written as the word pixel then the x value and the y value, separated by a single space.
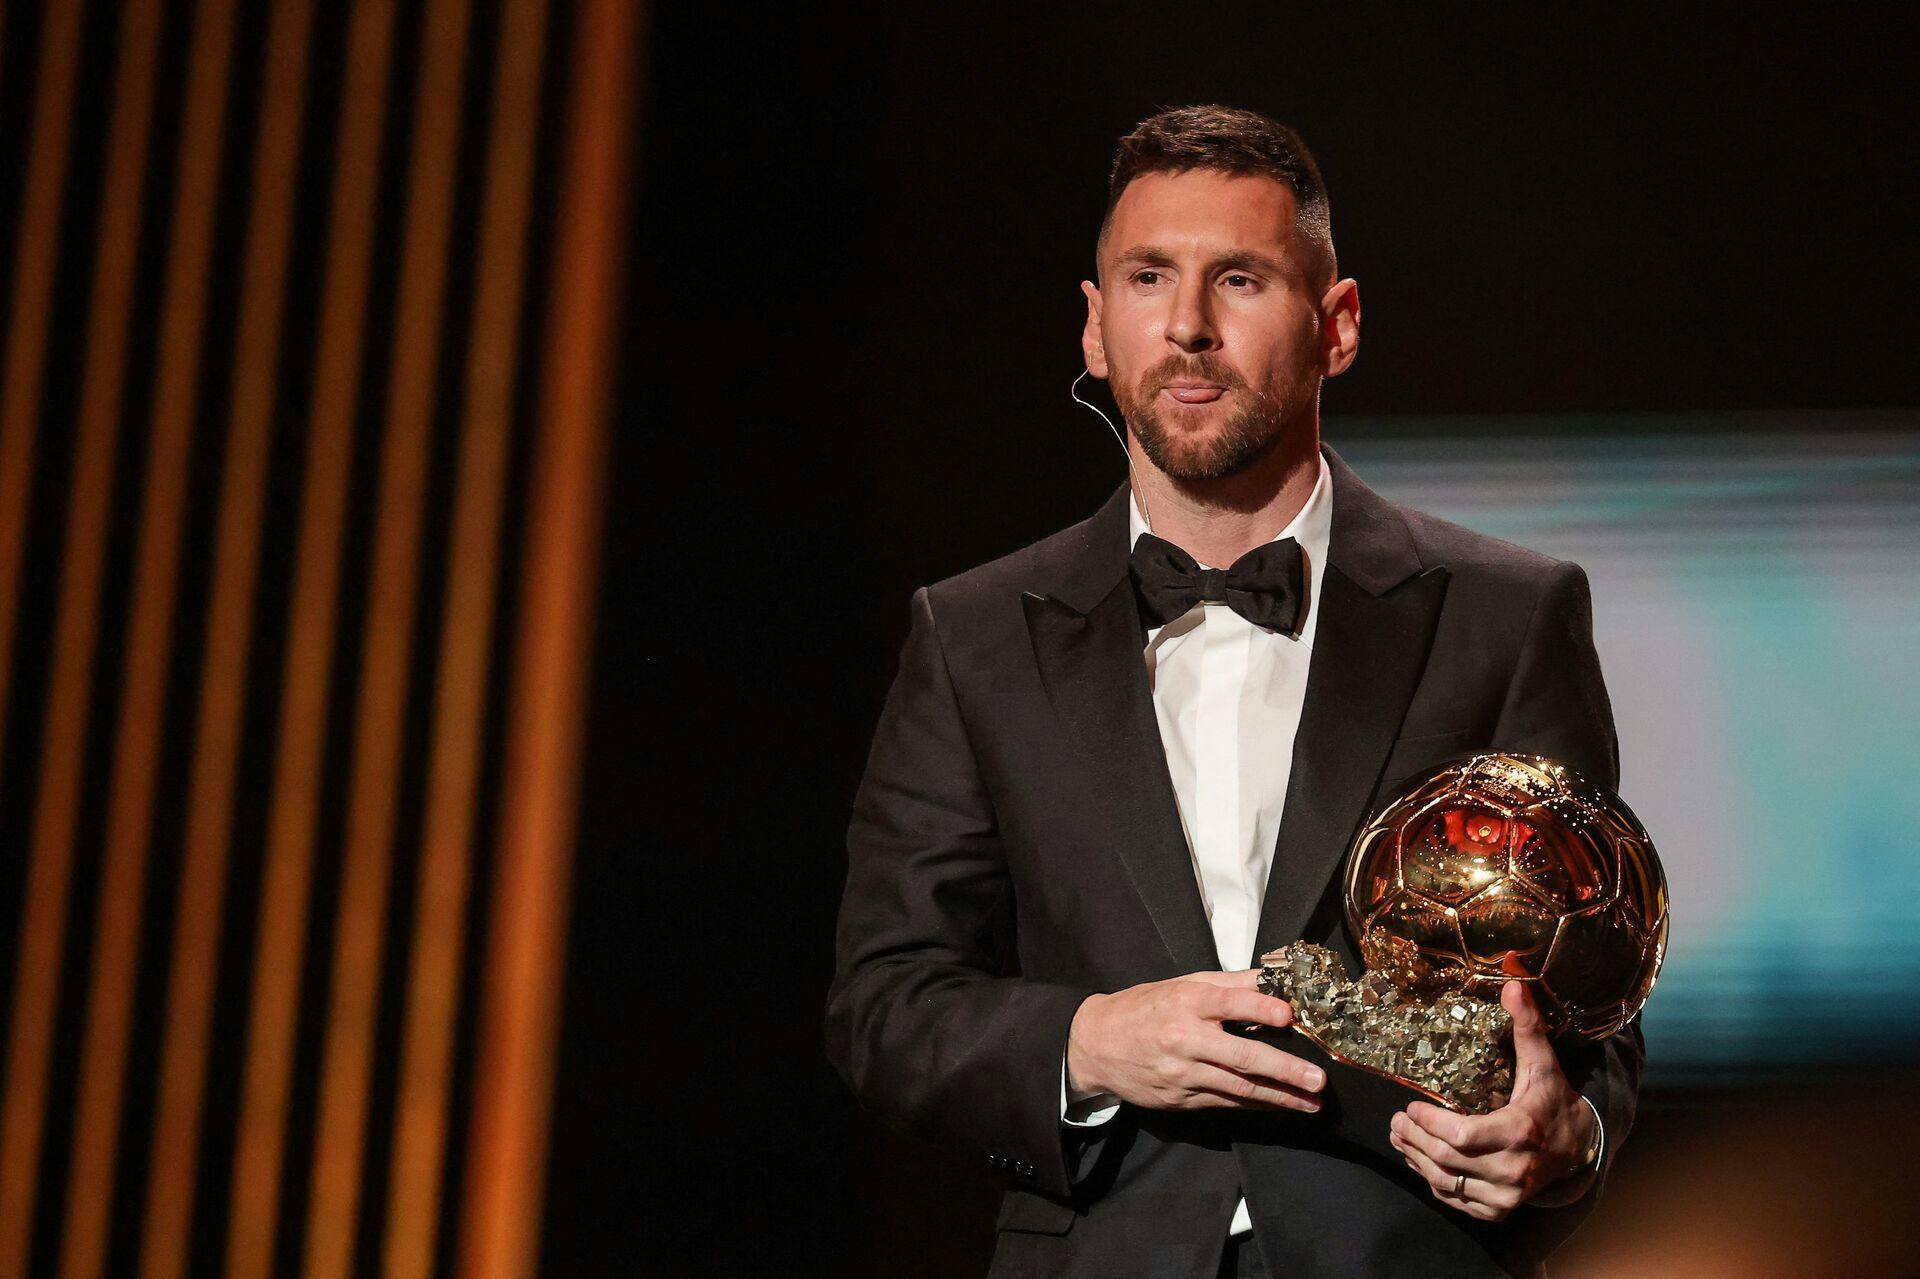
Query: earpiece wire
pixel 1073 392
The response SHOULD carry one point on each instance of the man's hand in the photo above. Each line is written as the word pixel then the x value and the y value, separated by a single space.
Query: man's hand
pixel 1540 1136
pixel 1161 1045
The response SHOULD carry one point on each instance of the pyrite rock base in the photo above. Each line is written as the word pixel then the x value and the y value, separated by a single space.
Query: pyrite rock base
pixel 1456 1051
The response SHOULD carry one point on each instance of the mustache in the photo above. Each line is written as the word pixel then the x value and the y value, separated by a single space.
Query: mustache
pixel 1194 368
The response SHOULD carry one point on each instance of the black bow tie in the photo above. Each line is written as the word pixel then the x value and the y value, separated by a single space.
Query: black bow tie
pixel 1264 585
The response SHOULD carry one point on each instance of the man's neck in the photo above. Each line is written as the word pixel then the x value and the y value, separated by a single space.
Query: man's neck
pixel 1218 521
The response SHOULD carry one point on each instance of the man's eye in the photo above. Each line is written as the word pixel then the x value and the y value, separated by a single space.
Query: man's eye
pixel 1147 277
pixel 1237 280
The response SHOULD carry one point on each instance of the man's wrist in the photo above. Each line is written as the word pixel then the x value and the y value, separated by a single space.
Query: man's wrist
pixel 1575 1183
pixel 1081 1109
pixel 1082 1080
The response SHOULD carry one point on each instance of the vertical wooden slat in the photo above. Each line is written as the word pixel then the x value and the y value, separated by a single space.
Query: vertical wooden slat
pixel 295 800
pixel 63 750
pixel 420 1121
pixel 174 1159
pixel 525 945
pixel 35 258
pixel 386 653
pixel 137 749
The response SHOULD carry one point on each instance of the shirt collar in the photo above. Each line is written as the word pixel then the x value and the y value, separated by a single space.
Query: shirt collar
pixel 1311 526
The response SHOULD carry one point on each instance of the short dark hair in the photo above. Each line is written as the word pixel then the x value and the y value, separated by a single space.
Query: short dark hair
pixel 1229 140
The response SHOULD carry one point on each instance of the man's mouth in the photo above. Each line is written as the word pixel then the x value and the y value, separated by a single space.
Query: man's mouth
pixel 1195 392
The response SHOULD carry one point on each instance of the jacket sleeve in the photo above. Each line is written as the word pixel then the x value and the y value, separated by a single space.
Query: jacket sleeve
pixel 927 1018
pixel 1557 706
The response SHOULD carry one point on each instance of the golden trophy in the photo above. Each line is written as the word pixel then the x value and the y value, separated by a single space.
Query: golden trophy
pixel 1487 868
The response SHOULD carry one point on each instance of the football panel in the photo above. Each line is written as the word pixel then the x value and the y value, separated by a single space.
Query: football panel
pixel 1507 931
pixel 1453 851
pixel 1567 868
pixel 1373 871
pixel 1513 781
pixel 1429 926
pixel 1598 961
pixel 1643 886
pixel 1654 956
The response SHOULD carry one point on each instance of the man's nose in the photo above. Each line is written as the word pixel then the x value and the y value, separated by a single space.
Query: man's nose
pixel 1190 327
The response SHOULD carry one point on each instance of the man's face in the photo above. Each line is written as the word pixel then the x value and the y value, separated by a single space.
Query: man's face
pixel 1206 321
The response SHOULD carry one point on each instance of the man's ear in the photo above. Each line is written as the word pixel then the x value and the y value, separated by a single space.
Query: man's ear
pixel 1339 327
pixel 1092 345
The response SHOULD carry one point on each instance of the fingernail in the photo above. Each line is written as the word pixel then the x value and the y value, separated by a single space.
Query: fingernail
pixel 1316 1079
pixel 1398 1122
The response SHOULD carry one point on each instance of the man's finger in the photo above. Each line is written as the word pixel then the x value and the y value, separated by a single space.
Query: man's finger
pixel 1407 1135
pixel 1440 1179
pixel 1441 1183
pixel 1219 1088
pixel 1471 1135
pixel 1228 1004
pixel 1247 977
pixel 1251 1057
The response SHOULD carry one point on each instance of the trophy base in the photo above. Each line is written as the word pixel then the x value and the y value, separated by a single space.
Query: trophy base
pixel 1358 1104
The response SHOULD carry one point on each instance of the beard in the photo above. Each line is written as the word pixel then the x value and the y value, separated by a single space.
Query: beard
pixel 1248 434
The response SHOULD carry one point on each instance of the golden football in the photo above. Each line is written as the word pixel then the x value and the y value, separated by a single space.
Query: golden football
pixel 1490 868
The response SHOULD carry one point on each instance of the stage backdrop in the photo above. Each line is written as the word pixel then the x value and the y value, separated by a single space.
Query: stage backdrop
pixel 307 312
pixel 1757 611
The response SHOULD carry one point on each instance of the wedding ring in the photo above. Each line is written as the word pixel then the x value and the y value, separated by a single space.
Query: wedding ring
pixel 1459 1185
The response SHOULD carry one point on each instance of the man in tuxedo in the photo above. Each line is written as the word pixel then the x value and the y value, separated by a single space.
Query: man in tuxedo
pixel 1108 777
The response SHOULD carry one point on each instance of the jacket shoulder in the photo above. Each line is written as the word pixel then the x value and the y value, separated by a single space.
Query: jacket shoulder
pixel 1480 556
pixel 1000 582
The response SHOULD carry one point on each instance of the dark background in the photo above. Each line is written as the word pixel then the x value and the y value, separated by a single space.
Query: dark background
pixel 853 319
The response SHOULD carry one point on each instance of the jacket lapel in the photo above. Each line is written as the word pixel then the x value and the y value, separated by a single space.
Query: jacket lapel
pixel 1378 612
pixel 1087 642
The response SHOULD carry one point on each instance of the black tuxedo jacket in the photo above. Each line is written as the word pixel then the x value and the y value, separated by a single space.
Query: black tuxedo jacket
pixel 1015 847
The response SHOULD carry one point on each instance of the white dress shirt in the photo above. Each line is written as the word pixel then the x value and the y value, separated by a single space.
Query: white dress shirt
pixel 1228 695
